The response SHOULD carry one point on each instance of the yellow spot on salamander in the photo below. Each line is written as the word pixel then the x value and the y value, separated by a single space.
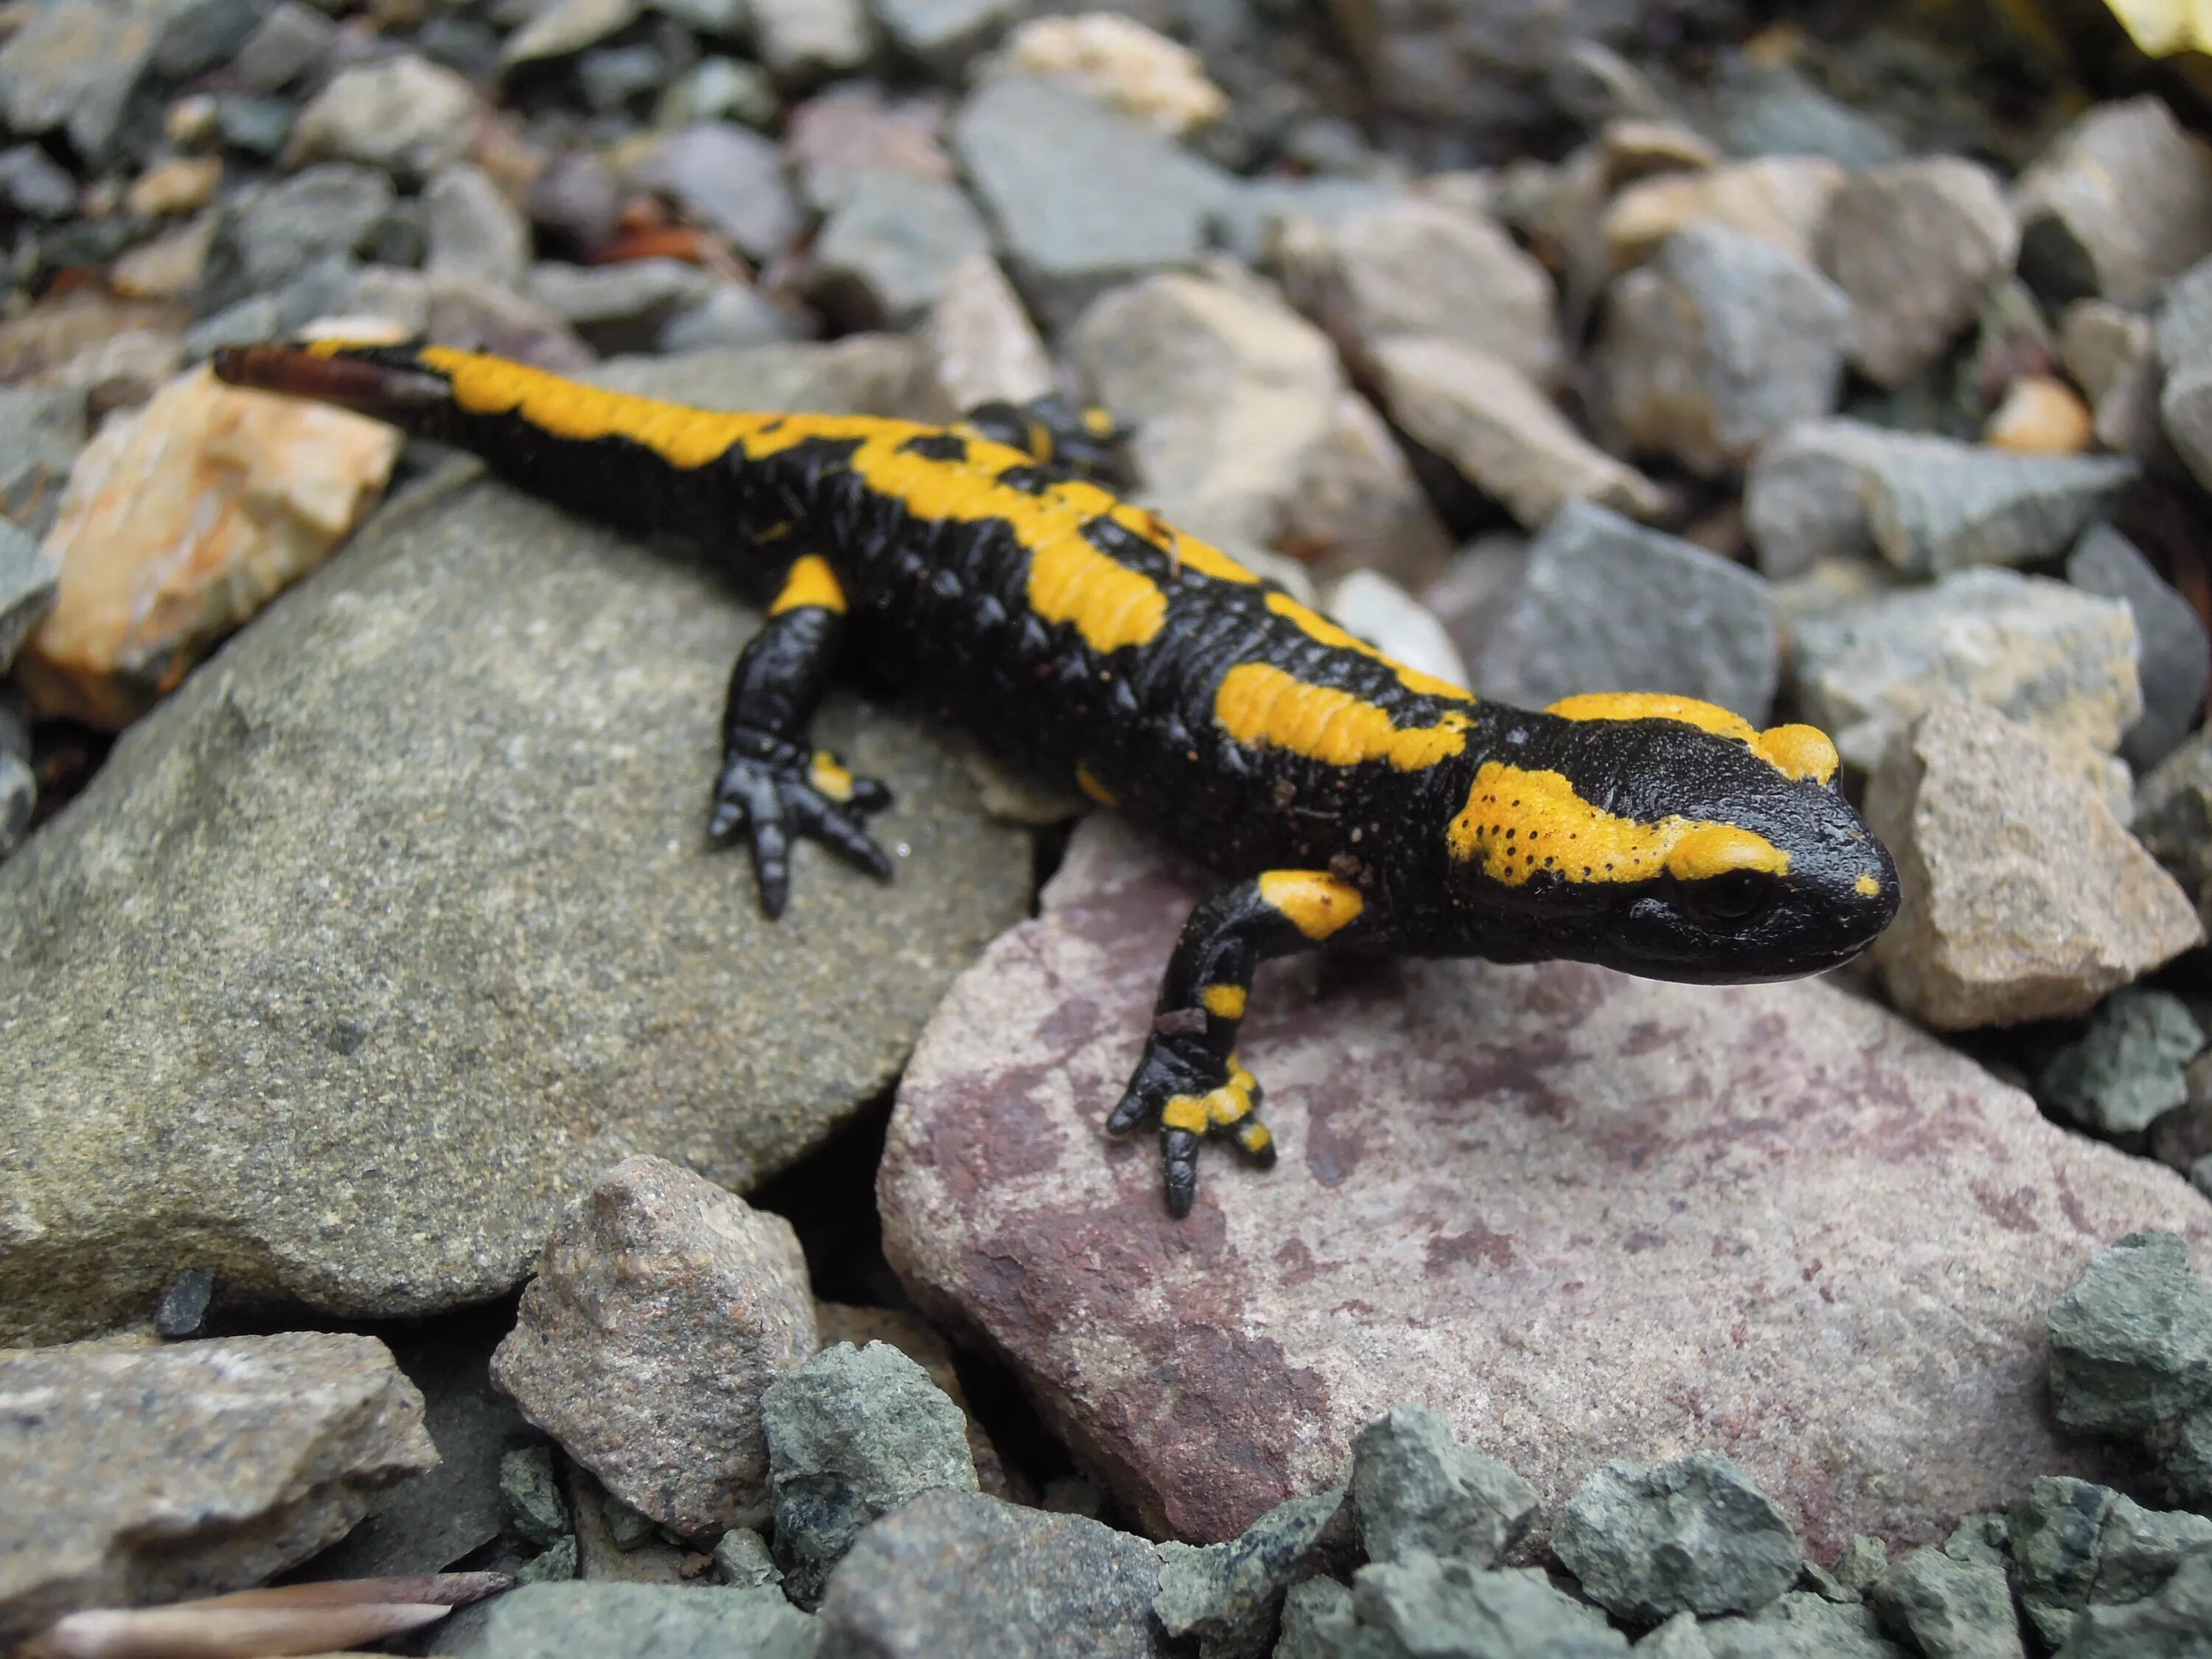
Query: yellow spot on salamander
pixel 1317 626
pixel 1867 887
pixel 1317 903
pixel 1098 423
pixel 1262 706
pixel 810 581
pixel 1186 1112
pixel 831 779
pixel 1225 1001
pixel 1218 1109
pixel 1087 782
pixel 1802 752
pixel 1519 823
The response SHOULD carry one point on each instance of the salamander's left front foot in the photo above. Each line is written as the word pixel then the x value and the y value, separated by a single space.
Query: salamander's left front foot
pixel 1192 1093
pixel 770 791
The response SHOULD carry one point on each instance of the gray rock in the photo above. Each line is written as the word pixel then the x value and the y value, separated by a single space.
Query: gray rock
pixel 554 1564
pixel 718 89
pixel 662 1308
pixel 1917 246
pixel 619 307
pixel 36 185
pixel 1453 1610
pixel 532 1495
pixel 2057 660
pixel 1319 1622
pixel 2173 658
pixel 1418 1491
pixel 193 35
pixel 2120 202
pixel 1804 497
pixel 1718 344
pixel 2131 1339
pixel 1408 266
pixel 259 126
pixel 615 1544
pixel 18 799
pixel 847 131
pixel 28 585
pixel 290 43
pixel 1692 1536
pixel 613 78
pixel 1799 1626
pixel 1505 435
pixel 732 179
pixel 473 229
pixel 1984 1539
pixel 2170 1624
pixel 140 1475
pixel 1678 619
pixel 2023 896
pixel 2174 817
pixel 942 35
pixel 959 1572
pixel 742 1559
pixel 41 430
pixel 402 114
pixel 408 1100
pixel 2184 355
pixel 332 209
pixel 2076 1543
pixel 579 196
pixel 889 251
pixel 808 40
pixel 860 375
pixel 2112 353
pixel 562 29
pixel 853 1434
pixel 1863 1561
pixel 73 66
pixel 2189 1452
pixel 984 347
pixel 2127 1068
pixel 733 317
pixel 1371 606
pixel 1244 429
pixel 1950 1610
pixel 317 290
pixel 479 316
pixel 1247 222
pixel 1779 113
pixel 643 1621
pixel 1933 505
pixel 1229 1595
pixel 1083 197
pixel 1781 200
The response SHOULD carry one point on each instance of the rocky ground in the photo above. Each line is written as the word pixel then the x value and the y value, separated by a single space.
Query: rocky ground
pixel 417 1155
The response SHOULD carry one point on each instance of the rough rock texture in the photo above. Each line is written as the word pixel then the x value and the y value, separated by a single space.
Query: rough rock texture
pixel 2127 1068
pixel 1418 268
pixel 182 520
pixel 1695 1536
pixel 1803 500
pixel 1084 196
pixel 1950 1610
pixel 1800 1626
pixel 2053 658
pixel 2075 1545
pixel 1505 435
pixel 919 1341
pixel 851 1435
pixel 1228 1596
pixel 1721 342
pixel 663 1306
pixel 139 1474
pixel 1782 200
pixel 390 1011
pixel 2169 1623
pixel 1917 246
pixel 2024 898
pixel 642 1621
pixel 1677 618
pixel 2131 1339
pixel 986 348
pixel 1581 1215
pixel 2173 657
pixel 889 251
pixel 1240 412
pixel 2119 204
pixel 958 1572
pixel 1417 1490
pixel 2174 817
pixel 1442 1609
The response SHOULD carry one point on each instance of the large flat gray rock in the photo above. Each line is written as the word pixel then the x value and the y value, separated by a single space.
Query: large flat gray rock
pixel 397 927
pixel 1583 1216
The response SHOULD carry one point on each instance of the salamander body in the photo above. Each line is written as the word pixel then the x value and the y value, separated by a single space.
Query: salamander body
pixel 1345 798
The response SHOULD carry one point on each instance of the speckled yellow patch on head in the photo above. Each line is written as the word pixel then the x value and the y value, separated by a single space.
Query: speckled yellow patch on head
pixel 1519 823
pixel 810 581
pixel 1314 625
pixel 1867 887
pixel 1262 706
pixel 1316 903
pixel 1801 752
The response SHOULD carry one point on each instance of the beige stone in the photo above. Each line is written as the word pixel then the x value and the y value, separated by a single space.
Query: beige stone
pixel 2041 415
pixel 1780 199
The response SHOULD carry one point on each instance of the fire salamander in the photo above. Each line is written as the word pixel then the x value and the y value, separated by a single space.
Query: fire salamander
pixel 1350 800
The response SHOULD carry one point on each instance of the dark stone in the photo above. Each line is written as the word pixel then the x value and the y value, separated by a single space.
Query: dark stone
pixel 2131 1339
pixel 2174 661
pixel 1693 1537
pixel 184 1305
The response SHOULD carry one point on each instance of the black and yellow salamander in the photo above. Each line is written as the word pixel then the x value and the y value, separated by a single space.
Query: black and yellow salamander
pixel 1349 800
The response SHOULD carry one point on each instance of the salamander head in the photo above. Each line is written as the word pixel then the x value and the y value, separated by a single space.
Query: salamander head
pixel 1670 838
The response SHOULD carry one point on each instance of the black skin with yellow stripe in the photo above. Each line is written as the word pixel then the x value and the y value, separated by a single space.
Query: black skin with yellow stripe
pixel 1347 799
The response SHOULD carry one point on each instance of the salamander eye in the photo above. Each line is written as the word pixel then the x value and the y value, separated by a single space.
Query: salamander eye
pixel 1737 896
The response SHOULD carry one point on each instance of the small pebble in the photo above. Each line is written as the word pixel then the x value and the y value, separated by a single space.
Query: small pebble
pixel 1692 1536
pixel 2040 415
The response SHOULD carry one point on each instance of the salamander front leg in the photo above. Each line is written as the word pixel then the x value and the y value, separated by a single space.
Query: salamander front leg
pixel 774 783
pixel 1190 1081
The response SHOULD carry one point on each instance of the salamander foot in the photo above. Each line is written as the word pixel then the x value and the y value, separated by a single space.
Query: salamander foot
pixel 770 791
pixel 1193 1093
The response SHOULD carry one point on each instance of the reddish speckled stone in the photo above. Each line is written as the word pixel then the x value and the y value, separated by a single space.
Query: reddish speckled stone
pixel 1582 1215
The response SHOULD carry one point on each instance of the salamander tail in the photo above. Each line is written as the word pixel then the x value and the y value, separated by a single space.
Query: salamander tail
pixel 388 382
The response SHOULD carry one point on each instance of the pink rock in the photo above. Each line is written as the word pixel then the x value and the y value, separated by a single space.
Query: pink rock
pixel 1582 1215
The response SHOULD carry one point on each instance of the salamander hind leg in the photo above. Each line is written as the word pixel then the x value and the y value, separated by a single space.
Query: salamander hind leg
pixel 1191 1080
pixel 773 784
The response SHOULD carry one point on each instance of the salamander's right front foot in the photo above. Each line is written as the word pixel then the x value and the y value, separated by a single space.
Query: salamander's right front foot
pixel 1191 1092
pixel 770 790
